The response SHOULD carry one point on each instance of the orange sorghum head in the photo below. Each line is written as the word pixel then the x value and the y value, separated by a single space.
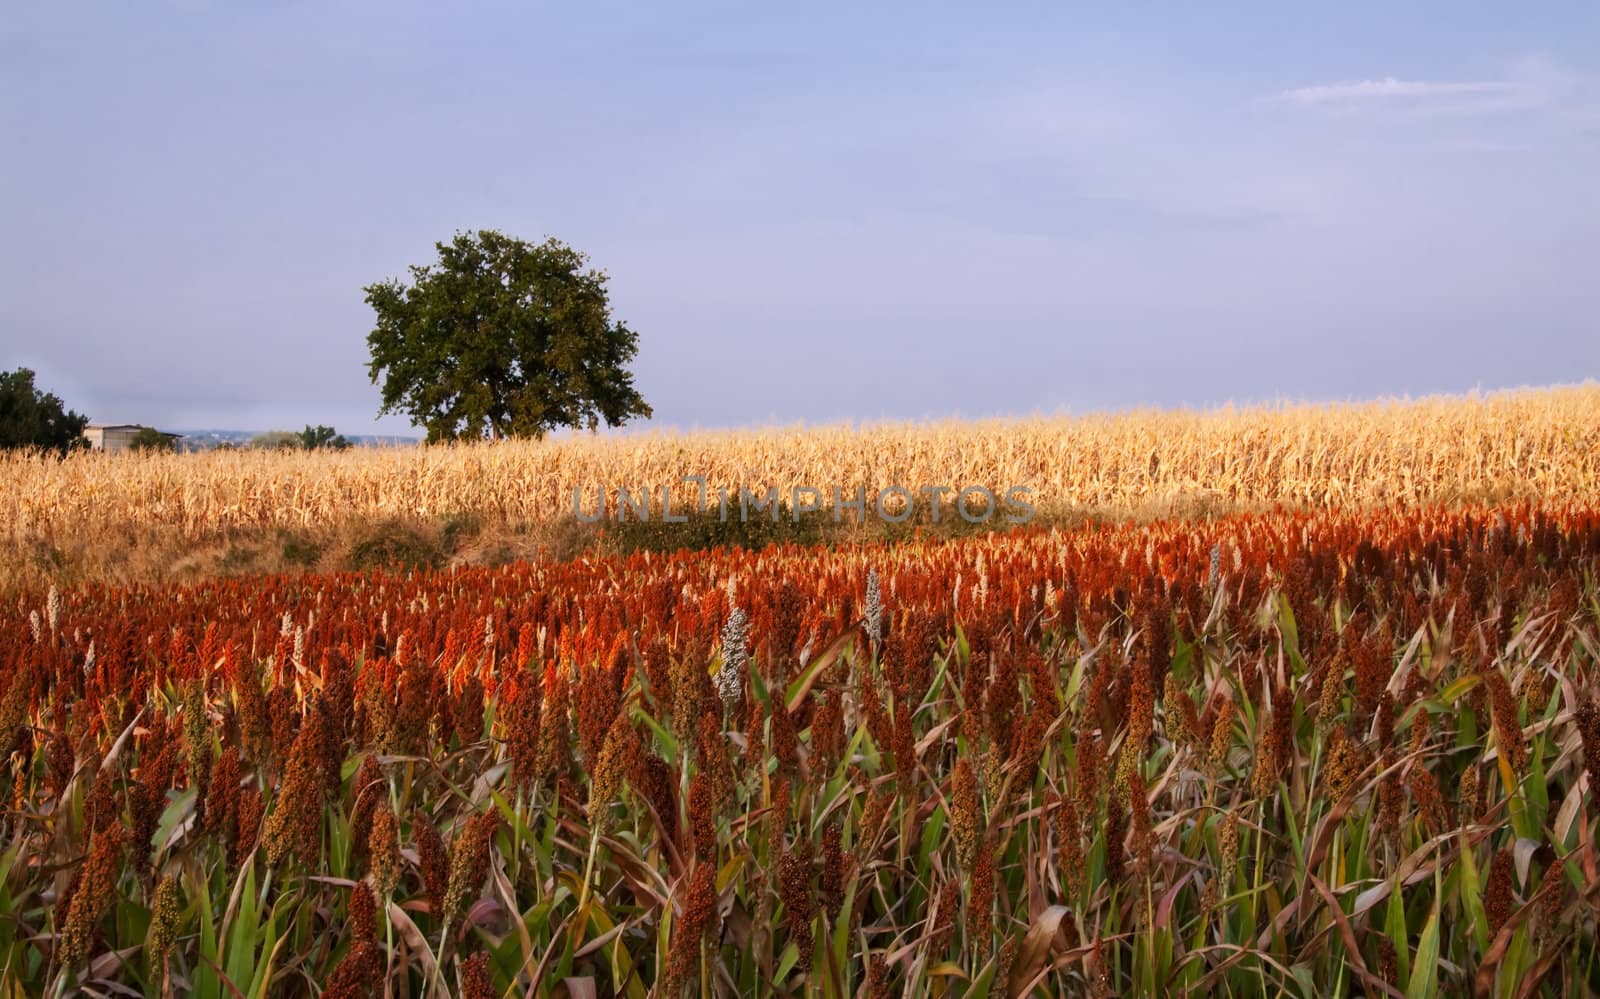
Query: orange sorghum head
pixel 166 911
pixel 966 817
pixel 469 862
pixel 697 922
pixel 1221 737
pixel 432 860
pixel 794 890
pixel 383 850
pixel 96 890
pixel 477 980
pixel 1507 729
pixel 363 912
pixel 1498 901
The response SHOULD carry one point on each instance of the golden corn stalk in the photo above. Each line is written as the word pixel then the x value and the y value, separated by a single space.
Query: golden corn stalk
pixel 1502 446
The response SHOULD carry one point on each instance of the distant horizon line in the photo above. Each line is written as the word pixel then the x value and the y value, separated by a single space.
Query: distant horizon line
pixel 231 432
pixel 646 428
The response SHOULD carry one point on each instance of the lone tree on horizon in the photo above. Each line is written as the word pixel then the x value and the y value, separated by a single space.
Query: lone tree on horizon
pixel 502 338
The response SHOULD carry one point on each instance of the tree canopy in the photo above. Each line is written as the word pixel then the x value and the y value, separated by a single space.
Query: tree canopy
pixel 30 418
pixel 502 338
pixel 319 436
pixel 151 439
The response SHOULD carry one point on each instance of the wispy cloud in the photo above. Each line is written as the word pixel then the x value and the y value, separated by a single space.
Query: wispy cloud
pixel 1389 87
pixel 1532 84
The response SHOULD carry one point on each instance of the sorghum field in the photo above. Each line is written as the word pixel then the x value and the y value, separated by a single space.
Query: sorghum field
pixel 1328 749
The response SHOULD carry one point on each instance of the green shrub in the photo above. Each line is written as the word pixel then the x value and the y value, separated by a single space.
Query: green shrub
pixel 706 529
pixel 299 551
pixel 394 545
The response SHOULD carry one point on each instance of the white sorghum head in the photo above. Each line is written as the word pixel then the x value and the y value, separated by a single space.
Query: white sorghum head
pixel 874 606
pixel 735 635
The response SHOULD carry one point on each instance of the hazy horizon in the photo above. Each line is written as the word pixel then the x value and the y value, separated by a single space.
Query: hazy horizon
pixel 1222 407
pixel 816 215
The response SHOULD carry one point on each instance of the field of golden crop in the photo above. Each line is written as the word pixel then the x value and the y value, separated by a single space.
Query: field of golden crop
pixel 1519 445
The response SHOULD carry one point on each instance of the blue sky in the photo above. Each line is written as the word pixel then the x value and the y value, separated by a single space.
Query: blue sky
pixel 809 212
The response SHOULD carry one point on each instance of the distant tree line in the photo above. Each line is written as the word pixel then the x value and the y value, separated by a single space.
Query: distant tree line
pixel 310 439
pixel 32 419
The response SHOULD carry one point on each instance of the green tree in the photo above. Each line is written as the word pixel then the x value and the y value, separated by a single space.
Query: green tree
pixel 502 338
pixel 319 436
pixel 151 439
pixel 30 418
pixel 276 440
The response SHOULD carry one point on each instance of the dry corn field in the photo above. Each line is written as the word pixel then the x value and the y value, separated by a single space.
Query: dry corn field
pixel 1307 754
pixel 1520 445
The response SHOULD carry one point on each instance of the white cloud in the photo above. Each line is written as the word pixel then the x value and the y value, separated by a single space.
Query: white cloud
pixel 1388 87
pixel 1528 85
